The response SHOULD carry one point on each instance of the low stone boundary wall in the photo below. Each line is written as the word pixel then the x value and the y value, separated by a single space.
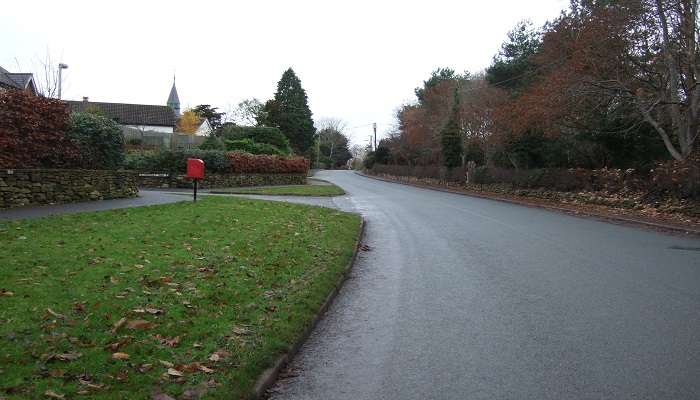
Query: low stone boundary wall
pixel 213 181
pixel 19 187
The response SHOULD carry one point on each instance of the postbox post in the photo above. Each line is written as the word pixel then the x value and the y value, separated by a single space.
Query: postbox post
pixel 195 170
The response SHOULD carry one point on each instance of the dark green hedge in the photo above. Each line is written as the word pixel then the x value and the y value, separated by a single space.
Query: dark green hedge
pixel 258 134
pixel 176 161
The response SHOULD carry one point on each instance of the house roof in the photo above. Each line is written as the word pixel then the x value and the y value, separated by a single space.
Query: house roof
pixel 129 114
pixel 20 79
pixel 15 80
pixel 6 80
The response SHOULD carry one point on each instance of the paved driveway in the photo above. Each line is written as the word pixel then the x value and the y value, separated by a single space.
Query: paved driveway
pixel 467 298
pixel 146 198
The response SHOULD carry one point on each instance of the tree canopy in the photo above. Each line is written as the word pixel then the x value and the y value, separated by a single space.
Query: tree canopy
pixel 289 111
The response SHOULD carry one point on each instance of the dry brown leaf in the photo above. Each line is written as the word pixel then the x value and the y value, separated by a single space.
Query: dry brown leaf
pixel 57 373
pixel 140 324
pixel 118 325
pixel 55 314
pixel 68 356
pixel 6 293
pixel 174 372
pixel 54 395
pixel 205 369
pixel 166 364
pixel 114 280
pixel 240 331
pixel 145 367
pixel 120 356
pixel 154 311
pixel 214 357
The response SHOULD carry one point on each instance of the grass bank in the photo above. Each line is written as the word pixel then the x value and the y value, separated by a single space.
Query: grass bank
pixel 289 190
pixel 178 300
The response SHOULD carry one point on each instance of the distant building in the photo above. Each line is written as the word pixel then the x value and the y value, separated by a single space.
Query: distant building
pixel 142 117
pixel 174 100
pixel 17 81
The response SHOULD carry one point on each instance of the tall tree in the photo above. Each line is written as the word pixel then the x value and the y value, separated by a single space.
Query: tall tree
pixel 289 111
pixel 512 67
pixel 334 143
pixel 451 138
pixel 210 113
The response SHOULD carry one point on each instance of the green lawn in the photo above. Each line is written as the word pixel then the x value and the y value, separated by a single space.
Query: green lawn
pixel 289 190
pixel 177 298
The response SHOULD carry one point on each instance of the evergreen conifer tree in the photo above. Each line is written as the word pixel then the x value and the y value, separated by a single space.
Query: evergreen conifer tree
pixel 289 111
pixel 451 138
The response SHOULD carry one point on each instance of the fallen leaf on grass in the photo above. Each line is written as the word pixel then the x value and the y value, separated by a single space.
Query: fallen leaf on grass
pixel 145 367
pixel 174 372
pixel 55 314
pixel 241 331
pixel 166 364
pixel 152 311
pixel 140 324
pixel 68 356
pixel 6 293
pixel 54 395
pixel 114 346
pixel 120 356
pixel 171 342
pixel 205 369
pixel 118 325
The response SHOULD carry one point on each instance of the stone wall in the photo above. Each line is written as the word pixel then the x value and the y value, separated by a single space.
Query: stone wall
pixel 212 181
pixel 19 187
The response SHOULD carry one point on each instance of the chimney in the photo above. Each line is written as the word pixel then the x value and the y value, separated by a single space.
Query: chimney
pixel 85 99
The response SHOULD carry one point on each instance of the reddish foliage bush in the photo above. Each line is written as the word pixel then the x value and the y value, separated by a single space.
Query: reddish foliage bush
pixel 679 179
pixel 33 132
pixel 266 164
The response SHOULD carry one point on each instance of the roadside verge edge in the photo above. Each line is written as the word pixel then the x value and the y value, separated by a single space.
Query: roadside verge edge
pixel 269 376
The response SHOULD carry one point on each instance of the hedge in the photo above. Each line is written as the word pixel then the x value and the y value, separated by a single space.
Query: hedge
pixel 38 132
pixel 214 161
pixel 249 146
pixel 33 132
pixel 258 134
pixel 249 163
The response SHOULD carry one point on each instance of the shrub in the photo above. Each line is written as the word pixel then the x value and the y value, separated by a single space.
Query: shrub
pixel 258 134
pixel 212 143
pixel 99 139
pixel 249 146
pixel 33 132
pixel 249 163
pixel 214 161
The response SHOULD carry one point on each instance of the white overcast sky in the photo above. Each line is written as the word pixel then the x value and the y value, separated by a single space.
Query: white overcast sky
pixel 358 60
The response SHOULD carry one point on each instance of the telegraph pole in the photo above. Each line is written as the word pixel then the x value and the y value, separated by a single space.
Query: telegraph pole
pixel 374 125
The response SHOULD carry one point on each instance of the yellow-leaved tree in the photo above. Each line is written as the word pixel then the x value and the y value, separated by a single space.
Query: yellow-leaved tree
pixel 188 122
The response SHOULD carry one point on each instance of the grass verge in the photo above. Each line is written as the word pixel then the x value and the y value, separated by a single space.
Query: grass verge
pixel 182 300
pixel 289 190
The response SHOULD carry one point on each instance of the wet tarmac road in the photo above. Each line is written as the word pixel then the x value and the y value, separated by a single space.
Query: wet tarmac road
pixel 466 298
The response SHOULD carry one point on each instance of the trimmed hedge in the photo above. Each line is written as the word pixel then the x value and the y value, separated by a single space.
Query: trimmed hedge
pixel 249 146
pixel 215 161
pixel 258 134
pixel 33 132
pixel 265 164
pixel 100 140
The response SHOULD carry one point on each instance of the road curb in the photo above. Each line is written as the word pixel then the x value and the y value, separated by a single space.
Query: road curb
pixel 269 376
pixel 580 213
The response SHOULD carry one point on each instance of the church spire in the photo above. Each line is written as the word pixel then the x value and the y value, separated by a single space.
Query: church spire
pixel 174 100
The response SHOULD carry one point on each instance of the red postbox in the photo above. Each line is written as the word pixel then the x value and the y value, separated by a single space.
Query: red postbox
pixel 195 168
